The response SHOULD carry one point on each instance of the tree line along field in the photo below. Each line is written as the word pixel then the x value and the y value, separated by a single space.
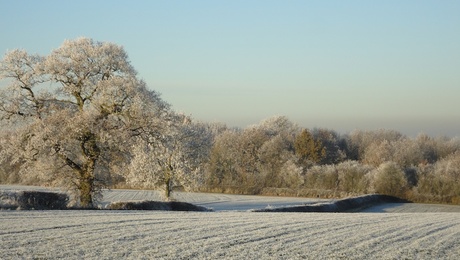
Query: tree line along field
pixel 81 119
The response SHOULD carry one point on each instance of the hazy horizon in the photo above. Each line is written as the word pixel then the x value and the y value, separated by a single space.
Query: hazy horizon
pixel 341 65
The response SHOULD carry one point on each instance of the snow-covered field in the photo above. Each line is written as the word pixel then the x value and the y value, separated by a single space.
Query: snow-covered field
pixel 230 234
pixel 214 201
pixel 227 235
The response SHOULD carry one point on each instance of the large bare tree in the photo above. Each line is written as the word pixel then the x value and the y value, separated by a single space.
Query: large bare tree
pixel 72 113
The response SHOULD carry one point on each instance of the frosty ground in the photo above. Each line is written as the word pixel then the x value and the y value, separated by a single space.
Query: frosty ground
pixel 412 231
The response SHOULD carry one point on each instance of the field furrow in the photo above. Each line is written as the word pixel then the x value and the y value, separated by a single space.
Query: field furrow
pixel 228 235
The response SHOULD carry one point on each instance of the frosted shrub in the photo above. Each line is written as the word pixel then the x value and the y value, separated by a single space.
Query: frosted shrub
pixel 322 177
pixel 348 177
pixel 352 177
pixel 389 179
pixel 441 181
pixel 291 174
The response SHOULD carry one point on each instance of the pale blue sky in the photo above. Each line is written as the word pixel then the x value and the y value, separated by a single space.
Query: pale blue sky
pixel 335 64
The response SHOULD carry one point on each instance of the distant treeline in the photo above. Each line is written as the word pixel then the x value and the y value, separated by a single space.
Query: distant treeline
pixel 276 157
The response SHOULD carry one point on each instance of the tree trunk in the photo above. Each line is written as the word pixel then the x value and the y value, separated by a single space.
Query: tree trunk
pixel 168 179
pixel 168 188
pixel 86 192
pixel 91 152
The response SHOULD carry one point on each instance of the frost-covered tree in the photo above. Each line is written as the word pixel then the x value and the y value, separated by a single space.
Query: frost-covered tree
pixel 277 163
pixel 277 125
pixel 359 141
pixel 249 160
pixel 276 152
pixel 353 176
pixel 308 149
pixel 8 171
pixel 334 146
pixel 174 157
pixel 405 152
pixel 74 112
pixel 441 181
pixel 378 153
pixel 389 179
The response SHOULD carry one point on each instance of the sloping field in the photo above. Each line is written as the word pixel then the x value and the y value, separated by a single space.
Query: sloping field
pixel 214 201
pixel 412 208
pixel 227 235
pixel 227 202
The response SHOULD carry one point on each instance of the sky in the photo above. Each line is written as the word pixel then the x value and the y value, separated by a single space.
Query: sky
pixel 341 65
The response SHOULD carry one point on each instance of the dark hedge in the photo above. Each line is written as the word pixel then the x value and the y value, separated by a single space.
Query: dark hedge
pixel 155 205
pixel 38 200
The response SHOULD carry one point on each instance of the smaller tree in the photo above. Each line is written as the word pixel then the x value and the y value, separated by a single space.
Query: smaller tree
pixel 172 158
pixel 308 149
pixel 333 145
pixel 222 168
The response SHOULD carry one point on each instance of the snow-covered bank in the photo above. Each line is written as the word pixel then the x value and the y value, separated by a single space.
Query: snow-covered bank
pixel 343 205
